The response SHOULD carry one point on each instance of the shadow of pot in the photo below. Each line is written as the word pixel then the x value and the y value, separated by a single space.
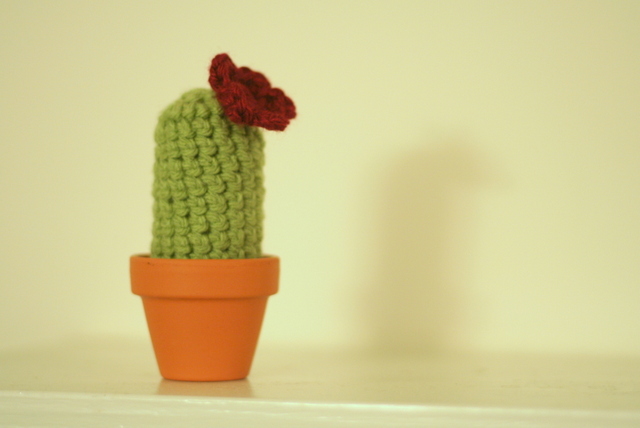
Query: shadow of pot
pixel 204 316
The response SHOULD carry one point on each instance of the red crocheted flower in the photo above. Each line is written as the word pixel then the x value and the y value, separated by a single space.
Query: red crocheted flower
pixel 247 97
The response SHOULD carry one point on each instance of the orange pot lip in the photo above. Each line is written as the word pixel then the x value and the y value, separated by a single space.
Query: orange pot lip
pixel 204 278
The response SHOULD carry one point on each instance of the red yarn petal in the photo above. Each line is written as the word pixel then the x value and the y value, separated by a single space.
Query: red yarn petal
pixel 247 97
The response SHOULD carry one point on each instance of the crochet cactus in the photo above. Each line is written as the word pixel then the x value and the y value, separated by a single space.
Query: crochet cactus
pixel 208 184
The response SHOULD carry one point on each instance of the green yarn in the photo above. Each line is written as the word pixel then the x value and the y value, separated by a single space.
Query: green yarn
pixel 208 183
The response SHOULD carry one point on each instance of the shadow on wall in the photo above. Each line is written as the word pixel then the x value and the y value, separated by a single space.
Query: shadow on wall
pixel 426 212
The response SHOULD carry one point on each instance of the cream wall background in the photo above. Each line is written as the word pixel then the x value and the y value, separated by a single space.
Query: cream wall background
pixel 462 174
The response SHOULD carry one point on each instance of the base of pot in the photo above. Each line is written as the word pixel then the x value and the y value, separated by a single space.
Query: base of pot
pixel 204 340
pixel 204 316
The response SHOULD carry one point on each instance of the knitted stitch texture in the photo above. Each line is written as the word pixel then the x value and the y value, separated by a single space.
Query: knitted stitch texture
pixel 247 96
pixel 208 183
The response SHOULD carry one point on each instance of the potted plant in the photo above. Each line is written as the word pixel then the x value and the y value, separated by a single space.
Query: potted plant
pixel 205 284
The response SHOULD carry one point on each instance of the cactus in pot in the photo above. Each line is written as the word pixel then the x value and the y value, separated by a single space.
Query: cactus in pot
pixel 205 284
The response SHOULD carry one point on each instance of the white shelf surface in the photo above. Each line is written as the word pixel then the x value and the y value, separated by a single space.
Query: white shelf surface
pixel 113 382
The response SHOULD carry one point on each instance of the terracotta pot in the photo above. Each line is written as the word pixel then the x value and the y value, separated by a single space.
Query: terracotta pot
pixel 204 316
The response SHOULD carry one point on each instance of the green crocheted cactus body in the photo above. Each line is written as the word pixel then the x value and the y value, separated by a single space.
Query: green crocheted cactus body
pixel 208 183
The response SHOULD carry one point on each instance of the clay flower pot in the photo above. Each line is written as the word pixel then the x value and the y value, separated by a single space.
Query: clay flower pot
pixel 204 315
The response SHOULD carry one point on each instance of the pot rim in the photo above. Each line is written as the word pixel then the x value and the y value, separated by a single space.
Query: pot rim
pixel 204 278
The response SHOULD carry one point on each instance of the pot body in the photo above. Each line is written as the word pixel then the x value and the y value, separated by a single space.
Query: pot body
pixel 204 316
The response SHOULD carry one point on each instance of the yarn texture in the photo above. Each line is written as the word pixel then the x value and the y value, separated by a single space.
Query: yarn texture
pixel 208 182
pixel 247 96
